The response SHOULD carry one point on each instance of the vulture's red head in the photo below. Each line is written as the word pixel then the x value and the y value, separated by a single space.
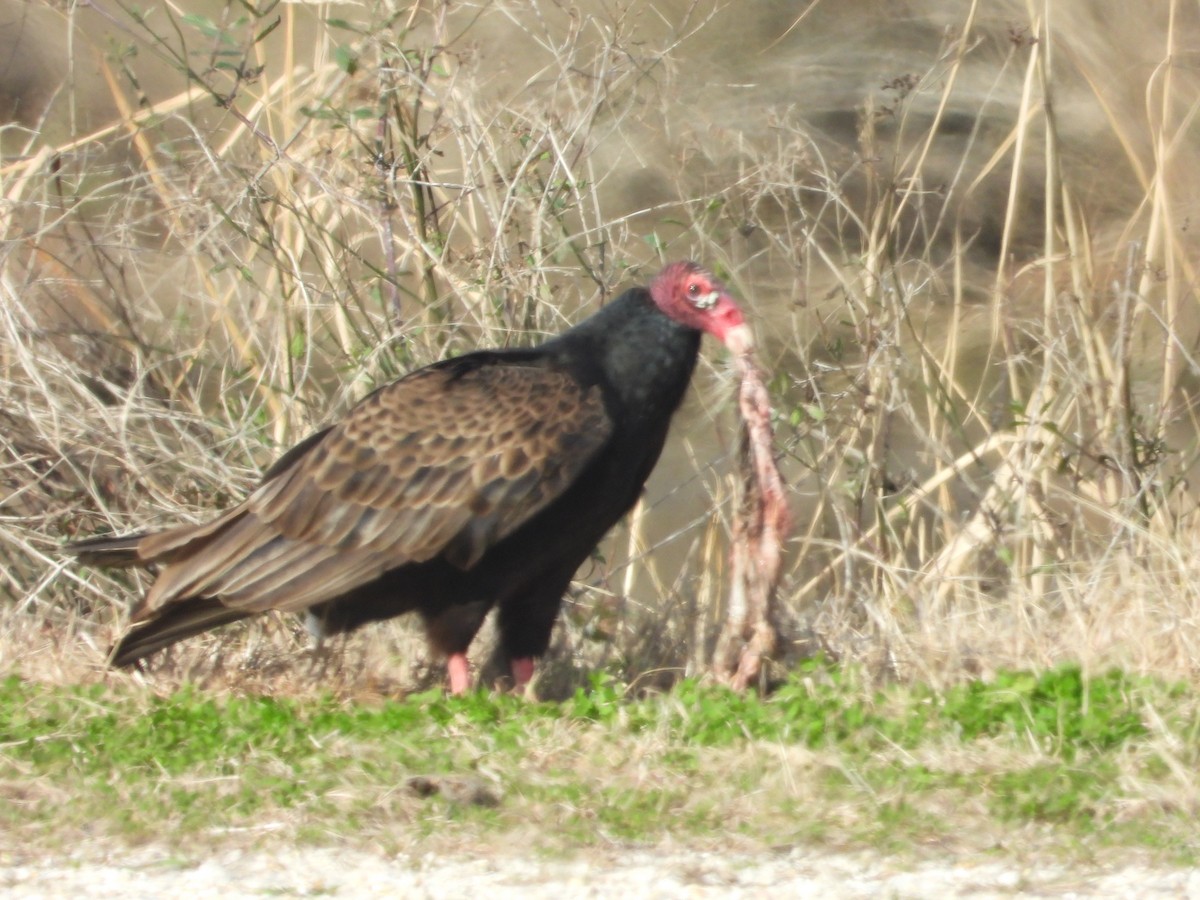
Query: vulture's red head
pixel 692 296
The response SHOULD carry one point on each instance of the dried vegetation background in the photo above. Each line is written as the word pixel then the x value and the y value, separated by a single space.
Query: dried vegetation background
pixel 965 232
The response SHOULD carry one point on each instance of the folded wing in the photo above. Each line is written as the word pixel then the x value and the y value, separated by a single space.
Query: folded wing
pixel 445 462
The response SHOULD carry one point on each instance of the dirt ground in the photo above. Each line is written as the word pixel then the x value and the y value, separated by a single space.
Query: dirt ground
pixel 664 873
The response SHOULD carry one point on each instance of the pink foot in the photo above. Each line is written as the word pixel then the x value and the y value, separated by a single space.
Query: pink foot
pixel 522 671
pixel 460 673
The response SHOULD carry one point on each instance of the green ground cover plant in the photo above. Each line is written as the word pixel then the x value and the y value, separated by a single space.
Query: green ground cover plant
pixel 1074 758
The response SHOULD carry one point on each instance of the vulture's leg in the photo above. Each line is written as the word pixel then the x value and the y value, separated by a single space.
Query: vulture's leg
pixel 460 673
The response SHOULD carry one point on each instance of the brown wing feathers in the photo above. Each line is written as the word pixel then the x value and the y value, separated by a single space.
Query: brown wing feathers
pixel 443 461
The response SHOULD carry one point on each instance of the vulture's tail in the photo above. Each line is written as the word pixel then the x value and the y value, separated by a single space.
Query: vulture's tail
pixel 175 621
pixel 181 619
pixel 115 552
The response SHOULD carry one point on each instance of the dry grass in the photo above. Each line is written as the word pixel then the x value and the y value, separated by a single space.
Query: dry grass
pixel 965 234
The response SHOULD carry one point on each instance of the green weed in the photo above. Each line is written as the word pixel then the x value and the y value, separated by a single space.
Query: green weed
pixel 1055 748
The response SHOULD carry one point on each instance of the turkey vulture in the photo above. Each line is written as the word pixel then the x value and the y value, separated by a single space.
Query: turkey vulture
pixel 479 481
